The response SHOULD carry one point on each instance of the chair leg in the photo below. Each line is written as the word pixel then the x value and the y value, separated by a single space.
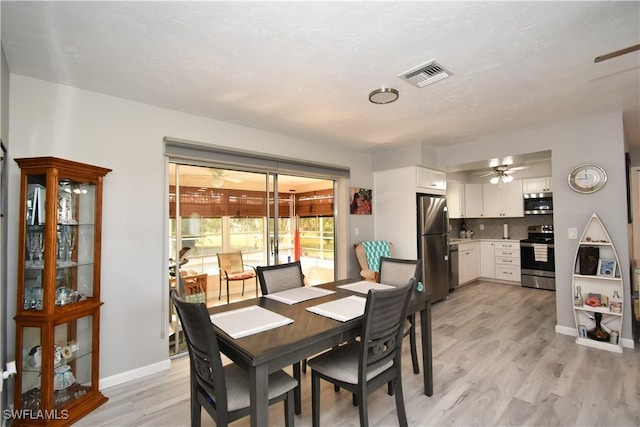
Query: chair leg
pixel 402 414
pixel 364 416
pixel 304 365
pixel 220 288
pixel 196 412
pixel 315 399
pixel 297 393
pixel 288 409
pixel 227 292
pixel 243 287
pixel 390 388
pixel 412 342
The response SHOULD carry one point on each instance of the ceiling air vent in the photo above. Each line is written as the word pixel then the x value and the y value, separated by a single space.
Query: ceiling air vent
pixel 425 74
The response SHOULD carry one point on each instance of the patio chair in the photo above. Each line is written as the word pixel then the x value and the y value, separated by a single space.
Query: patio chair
pixel 232 268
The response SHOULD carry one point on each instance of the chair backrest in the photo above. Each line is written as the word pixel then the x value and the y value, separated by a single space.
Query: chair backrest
pixel 204 354
pixel 275 278
pixel 397 272
pixel 231 262
pixel 383 327
pixel 368 253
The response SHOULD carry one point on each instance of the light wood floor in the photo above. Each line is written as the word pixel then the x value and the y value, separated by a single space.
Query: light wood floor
pixel 496 359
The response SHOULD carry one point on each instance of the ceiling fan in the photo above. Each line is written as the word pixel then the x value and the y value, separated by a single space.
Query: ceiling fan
pixel 502 173
pixel 218 177
pixel 616 53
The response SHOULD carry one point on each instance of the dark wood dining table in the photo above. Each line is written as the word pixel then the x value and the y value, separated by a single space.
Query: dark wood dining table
pixel 268 351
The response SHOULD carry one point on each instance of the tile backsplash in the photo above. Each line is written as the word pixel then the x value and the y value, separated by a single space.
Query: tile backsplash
pixel 494 227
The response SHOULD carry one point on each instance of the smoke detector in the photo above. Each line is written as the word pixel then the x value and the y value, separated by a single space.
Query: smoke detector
pixel 425 74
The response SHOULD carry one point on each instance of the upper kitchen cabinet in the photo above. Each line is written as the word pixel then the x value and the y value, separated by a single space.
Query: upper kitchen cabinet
pixel 455 199
pixel 430 181
pixel 464 200
pixel 473 201
pixel 503 201
pixel 536 185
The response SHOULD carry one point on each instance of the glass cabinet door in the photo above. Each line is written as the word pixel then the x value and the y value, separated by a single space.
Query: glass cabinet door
pixel 70 248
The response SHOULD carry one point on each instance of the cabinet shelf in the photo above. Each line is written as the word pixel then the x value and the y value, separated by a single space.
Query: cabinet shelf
pixel 603 310
pixel 58 296
pixel 587 318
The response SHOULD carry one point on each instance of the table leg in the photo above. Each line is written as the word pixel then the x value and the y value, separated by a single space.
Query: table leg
pixel 259 395
pixel 427 363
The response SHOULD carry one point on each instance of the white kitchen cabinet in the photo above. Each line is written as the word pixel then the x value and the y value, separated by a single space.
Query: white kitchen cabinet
pixel 507 259
pixel 430 181
pixel 468 262
pixel 487 259
pixel 536 185
pixel 473 201
pixel 455 199
pixel 503 202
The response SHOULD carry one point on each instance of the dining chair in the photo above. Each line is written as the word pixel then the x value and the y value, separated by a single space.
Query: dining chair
pixel 362 366
pixel 396 272
pixel 281 277
pixel 232 268
pixel 223 391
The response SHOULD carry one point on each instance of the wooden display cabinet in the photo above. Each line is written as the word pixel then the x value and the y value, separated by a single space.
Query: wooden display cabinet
pixel 58 295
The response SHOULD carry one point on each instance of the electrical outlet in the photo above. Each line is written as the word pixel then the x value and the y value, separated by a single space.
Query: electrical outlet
pixel 481 227
pixel 573 233
pixel 356 231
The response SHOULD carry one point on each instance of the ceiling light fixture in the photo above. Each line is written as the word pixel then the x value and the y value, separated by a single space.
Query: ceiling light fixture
pixel 501 176
pixel 384 95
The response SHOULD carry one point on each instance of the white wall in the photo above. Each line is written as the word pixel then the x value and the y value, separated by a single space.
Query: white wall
pixel 55 120
pixel 590 140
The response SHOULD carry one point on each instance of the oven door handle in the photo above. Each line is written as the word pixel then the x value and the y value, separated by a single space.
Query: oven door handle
pixel 530 245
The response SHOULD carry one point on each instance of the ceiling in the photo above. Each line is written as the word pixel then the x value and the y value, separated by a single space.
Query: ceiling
pixel 305 68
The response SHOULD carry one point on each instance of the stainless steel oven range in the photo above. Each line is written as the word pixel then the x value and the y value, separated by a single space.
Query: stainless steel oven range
pixel 537 264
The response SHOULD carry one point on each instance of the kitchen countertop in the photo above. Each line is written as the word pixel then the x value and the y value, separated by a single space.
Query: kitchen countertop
pixel 457 241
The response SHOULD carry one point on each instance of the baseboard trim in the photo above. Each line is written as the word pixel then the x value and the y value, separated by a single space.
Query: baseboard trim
pixel 134 374
pixel 564 330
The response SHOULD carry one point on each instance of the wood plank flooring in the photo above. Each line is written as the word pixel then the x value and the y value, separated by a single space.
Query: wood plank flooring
pixel 496 358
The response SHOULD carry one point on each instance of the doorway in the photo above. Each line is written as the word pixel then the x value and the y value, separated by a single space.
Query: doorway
pixel 270 218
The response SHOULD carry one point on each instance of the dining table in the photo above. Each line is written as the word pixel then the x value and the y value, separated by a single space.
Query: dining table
pixel 304 335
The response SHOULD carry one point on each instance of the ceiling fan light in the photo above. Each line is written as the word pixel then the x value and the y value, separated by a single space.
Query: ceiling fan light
pixel 217 182
pixel 494 180
pixel 507 178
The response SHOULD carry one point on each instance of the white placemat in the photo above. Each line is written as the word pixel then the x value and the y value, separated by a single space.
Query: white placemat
pixel 296 295
pixel 343 309
pixel 248 320
pixel 362 287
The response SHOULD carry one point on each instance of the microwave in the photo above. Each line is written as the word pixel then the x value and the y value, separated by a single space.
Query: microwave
pixel 538 203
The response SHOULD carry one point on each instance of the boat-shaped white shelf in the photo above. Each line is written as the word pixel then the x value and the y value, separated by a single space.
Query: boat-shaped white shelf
pixel 598 287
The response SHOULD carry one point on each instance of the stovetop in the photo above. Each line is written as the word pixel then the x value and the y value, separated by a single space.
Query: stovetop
pixel 539 239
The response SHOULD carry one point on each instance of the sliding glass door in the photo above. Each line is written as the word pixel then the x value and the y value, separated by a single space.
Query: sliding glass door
pixel 270 218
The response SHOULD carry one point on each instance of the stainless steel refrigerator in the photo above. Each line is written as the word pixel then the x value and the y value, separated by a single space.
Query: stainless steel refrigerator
pixel 433 244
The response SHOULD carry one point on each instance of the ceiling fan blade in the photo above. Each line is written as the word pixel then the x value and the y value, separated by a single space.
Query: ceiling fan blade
pixel 617 53
pixel 232 179
pixel 517 168
pixel 482 174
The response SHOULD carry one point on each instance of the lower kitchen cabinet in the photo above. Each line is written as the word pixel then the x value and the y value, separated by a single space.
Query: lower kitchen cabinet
pixel 487 259
pixel 468 262
pixel 507 258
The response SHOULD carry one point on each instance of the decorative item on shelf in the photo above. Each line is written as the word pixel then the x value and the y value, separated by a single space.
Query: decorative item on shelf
pixel 582 331
pixel 577 299
pixel 615 303
pixel 588 260
pixel 614 336
pixel 598 333
pixel 593 300
pixel 606 267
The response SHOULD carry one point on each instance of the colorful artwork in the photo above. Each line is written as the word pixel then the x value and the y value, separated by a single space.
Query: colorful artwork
pixel 361 201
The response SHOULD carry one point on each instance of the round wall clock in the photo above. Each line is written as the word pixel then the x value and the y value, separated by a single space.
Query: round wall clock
pixel 587 178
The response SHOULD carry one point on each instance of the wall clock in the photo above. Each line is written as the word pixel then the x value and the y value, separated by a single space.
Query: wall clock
pixel 587 178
